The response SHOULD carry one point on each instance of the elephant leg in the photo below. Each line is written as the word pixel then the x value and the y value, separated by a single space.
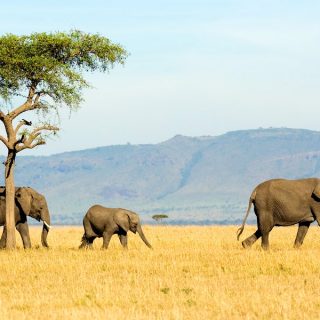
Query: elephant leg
pixel 106 239
pixel 86 242
pixel 3 238
pixel 124 240
pixel 88 236
pixel 90 242
pixel 265 240
pixel 302 231
pixel 23 229
pixel 265 225
pixel 247 243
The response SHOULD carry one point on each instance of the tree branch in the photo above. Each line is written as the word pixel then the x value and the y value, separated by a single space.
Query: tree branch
pixel 30 145
pixel 46 127
pixel 31 103
pixel 31 142
pixel 21 140
pixel 5 141
pixel 23 122
pixel 9 128
pixel 38 143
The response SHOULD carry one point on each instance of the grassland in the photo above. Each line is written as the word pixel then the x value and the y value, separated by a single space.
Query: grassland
pixel 192 273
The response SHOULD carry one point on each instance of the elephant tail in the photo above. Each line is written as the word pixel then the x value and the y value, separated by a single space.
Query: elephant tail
pixel 87 231
pixel 84 242
pixel 251 200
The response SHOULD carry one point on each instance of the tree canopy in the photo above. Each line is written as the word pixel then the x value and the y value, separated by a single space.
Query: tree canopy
pixel 51 65
pixel 159 217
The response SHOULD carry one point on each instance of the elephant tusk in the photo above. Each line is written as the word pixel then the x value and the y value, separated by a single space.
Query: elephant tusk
pixel 49 227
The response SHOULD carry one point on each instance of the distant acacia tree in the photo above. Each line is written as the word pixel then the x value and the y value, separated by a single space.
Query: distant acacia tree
pixel 43 72
pixel 159 217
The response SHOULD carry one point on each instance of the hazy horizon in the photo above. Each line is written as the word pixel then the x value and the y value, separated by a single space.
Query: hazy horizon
pixel 159 142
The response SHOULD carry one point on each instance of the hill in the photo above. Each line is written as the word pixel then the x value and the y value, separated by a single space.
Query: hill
pixel 191 179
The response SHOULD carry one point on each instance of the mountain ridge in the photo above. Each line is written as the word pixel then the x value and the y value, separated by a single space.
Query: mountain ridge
pixel 204 179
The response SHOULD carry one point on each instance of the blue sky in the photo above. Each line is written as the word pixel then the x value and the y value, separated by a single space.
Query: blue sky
pixel 195 67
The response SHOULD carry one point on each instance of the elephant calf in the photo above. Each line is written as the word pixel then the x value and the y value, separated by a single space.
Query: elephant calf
pixel 104 222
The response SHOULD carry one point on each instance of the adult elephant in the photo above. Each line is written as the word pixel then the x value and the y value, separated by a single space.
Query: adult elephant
pixel 104 222
pixel 28 202
pixel 281 202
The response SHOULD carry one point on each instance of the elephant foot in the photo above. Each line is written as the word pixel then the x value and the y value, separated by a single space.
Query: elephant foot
pixel 246 244
pixel 86 246
pixel 297 245
pixel 83 245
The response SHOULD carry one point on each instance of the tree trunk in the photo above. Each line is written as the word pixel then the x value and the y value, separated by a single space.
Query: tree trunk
pixel 10 204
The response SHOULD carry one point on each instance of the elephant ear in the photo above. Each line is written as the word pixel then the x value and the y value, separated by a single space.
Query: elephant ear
pixel 24 198
pixel 133 218
pixel 121 218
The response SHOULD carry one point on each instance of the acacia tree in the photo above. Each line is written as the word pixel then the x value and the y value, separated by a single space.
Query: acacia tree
pixel 41 73
pixel 159 217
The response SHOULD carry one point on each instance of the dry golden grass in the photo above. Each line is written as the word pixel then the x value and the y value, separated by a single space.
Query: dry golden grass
pixel 192 273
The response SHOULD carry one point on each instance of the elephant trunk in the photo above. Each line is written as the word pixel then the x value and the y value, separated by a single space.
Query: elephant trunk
pixel 45 229
pixel 142 236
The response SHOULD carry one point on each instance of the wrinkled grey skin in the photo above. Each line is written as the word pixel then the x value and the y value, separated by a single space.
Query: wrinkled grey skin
pixel 104 222
pixel 28 202
pixel 281 202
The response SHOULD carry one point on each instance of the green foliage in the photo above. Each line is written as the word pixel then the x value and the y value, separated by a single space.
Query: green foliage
pixel 52 64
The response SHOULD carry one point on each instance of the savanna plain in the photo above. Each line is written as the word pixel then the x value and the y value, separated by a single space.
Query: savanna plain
pixel 193 272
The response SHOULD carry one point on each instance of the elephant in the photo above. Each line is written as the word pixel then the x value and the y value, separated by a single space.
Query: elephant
pixel 281 202
pixel 28 202
pixel 104 222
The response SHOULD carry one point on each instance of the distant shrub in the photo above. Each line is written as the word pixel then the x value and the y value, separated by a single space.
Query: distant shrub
pixel 159 217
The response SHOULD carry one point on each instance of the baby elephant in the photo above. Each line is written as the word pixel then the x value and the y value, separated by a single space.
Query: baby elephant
pixel 104 222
